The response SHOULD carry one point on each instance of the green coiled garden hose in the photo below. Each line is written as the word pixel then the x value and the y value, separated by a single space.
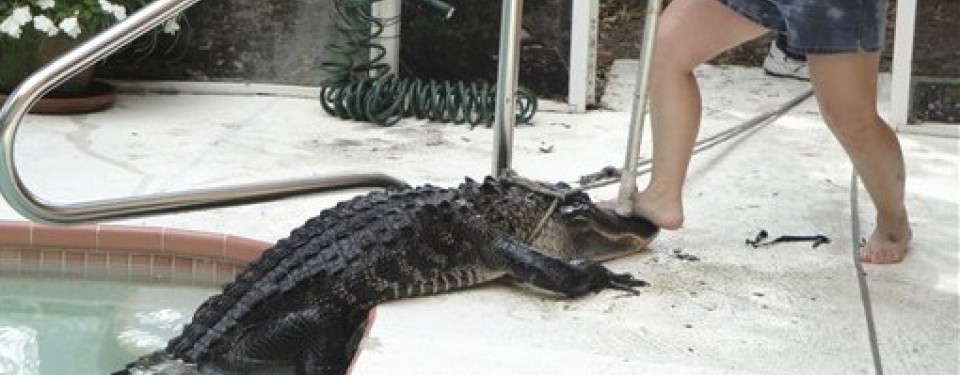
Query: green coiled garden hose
pixel 366 90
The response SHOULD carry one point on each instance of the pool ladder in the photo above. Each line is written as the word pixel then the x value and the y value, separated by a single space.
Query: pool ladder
pixel 29 92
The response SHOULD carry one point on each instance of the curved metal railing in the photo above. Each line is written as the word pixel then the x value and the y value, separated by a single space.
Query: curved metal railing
pixel 85 55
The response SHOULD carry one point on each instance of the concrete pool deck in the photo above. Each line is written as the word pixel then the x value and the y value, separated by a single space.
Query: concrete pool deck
pixel 783 309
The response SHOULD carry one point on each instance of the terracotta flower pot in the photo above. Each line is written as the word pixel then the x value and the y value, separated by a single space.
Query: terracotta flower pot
pixel 21 57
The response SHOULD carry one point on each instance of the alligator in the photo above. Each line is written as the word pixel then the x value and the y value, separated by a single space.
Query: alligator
pixel 303 302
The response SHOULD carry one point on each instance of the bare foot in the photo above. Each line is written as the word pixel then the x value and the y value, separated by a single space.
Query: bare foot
pixel 666 213
pixel 661 211
pixel 888 244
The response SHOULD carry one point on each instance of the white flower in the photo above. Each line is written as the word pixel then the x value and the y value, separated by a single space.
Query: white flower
pixel 46 4
pixel 21 15
pixel 10 27
pixel 13 24
pixel 118 11
pixel 171 26
pixel 70 26
pixel 45 25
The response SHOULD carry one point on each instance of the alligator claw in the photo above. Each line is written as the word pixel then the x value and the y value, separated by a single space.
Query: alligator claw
pixel 625 282
pixel 604 278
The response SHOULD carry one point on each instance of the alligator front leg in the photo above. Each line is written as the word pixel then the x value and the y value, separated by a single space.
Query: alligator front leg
pixel 572 279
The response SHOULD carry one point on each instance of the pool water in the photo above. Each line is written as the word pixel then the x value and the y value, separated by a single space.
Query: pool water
pixel 54 326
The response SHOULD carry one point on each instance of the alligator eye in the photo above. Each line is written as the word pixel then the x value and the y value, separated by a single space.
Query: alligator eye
pixel 576 198
pixel 575 204
pixel 572 209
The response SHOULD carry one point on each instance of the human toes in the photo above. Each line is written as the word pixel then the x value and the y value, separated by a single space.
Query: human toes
pixel 871 253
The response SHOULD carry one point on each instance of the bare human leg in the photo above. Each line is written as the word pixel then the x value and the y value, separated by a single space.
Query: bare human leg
pixel 690 33
pixel 846 90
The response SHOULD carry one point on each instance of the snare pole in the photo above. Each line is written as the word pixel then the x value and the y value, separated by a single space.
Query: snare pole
pixel 628 181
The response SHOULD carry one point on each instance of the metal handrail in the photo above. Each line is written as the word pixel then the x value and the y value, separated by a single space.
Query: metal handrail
pixel 507 70
pixel 22 99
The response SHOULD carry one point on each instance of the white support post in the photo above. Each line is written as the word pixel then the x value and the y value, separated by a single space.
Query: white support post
pixel 389 12
pixel 581 85
pixel 902 60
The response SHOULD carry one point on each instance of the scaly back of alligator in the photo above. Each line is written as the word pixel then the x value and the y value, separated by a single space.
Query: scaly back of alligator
pixel 351 236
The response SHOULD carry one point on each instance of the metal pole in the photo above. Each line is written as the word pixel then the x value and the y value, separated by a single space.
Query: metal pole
pixel 628 182
pixel 505 115
pixel 27 93
pixel 156 204
pixel 861 275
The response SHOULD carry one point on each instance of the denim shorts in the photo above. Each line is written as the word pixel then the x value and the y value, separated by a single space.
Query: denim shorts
pixel 820 26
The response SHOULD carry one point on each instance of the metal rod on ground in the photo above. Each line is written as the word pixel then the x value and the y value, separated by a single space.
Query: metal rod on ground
pixel 509 58
pixel 861 276
pixel 628 183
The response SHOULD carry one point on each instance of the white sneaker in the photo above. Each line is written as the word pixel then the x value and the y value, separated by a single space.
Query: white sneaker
pixel 778 64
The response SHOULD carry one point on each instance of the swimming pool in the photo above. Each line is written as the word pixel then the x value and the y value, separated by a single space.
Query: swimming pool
pixel 87 327
pixel 89 299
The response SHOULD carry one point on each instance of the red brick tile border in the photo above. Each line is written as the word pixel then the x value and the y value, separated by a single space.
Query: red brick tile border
pixel 123 253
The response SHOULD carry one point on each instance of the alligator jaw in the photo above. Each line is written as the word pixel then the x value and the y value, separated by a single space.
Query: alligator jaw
pixel 634 225
pixel 607 235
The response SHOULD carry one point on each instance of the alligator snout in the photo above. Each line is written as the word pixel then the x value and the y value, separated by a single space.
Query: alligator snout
pixel 601 234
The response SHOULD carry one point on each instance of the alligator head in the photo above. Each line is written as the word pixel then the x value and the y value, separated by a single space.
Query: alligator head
pixel 578 229
pixel 599 234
